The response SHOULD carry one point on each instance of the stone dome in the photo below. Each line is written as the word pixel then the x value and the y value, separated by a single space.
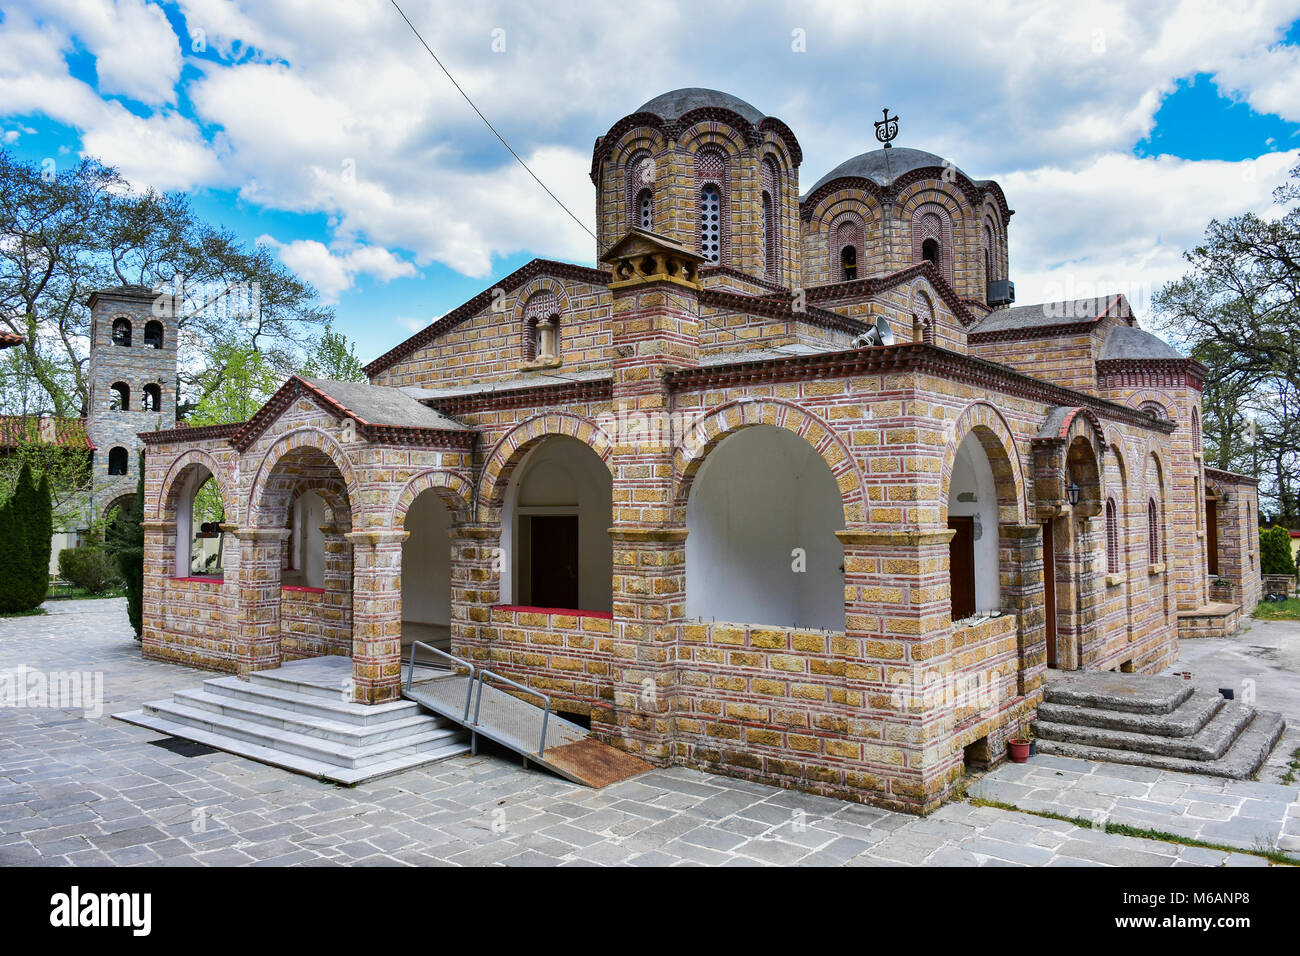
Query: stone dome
pixel 871 165
pixel 677 103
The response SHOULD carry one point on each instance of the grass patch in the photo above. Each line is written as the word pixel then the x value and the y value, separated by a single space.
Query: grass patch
pixel 81 594
pixel 1292 768
pixel 1123 829
pixel 1288 610
pixel 31 613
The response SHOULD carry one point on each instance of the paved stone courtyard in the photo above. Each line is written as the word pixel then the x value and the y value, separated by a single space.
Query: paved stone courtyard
pixel 85 789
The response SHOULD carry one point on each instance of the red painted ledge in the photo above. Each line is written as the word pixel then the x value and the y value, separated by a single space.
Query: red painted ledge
pixel 204 578
pixel 570 612
pixel 298 587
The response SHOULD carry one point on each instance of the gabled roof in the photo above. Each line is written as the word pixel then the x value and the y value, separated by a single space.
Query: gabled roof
pixel 474 306
pixel 1048 315
pixel 68 432
pixel 377 409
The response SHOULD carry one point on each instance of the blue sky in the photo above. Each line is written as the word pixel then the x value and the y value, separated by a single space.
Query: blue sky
pixel 323 129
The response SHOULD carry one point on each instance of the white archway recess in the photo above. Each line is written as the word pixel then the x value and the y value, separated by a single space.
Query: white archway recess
pixel 761 547
pixel 973 502
pixel 426 572
pixel 559 507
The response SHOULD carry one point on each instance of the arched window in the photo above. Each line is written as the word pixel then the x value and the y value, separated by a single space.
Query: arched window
pixel 117 460
pixel 153 334
pixel 541 327
pixel 121 332
pixel 848 246
pixel 1196 432
pixel 932 238
pixel 640 190
pixel 152 398
pixel 1155 410
pixel 990 255
pixel 119 397
pixel 1112 538
pixel 771 223
pixel 1153 533
pixel 711 180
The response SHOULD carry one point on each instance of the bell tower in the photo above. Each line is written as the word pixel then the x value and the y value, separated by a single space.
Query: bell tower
pixel 132 380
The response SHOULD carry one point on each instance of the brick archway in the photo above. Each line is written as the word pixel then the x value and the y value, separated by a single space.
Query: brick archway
pixel 999 444
pixel 454 490
pixel 704 434
pixel 180 466
pixel 509 451
pixel 312 438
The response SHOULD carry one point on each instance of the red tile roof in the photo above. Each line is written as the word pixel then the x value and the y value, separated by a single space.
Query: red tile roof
pixel 9 338
pixel 68 432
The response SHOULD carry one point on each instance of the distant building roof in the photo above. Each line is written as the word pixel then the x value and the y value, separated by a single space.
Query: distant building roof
pixel 677 103
pixel 1047 314
pixel 1130 342
pixel 68 432
pixel 10 338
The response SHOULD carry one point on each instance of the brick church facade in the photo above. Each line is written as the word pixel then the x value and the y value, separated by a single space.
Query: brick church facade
pixel 696 495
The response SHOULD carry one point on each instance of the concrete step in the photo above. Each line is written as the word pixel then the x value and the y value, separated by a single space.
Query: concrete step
pixel 319 749
pixel 1185 721
pixel 278 694
pixel 1241 761
pixel 1110 690
pixel 271 714
pixel 398 760
pixel 284 679
pixel 1209 743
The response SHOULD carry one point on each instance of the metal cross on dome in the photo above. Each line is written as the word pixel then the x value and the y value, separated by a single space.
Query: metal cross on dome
pixel 887 128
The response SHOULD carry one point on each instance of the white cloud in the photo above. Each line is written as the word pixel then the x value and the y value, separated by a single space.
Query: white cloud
pixel 335 272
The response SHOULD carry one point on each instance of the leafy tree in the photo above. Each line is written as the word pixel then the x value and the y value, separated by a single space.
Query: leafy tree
pixel 335 358
pixel 1275 555
pixel 1236 311
pixel 125 542
pixel 82 228
pixel 67 471
pixel 25 546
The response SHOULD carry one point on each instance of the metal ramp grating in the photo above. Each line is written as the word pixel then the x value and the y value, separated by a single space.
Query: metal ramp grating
pixel 473 697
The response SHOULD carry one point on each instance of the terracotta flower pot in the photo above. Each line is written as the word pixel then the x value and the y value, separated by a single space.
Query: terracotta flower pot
pixel 1019 750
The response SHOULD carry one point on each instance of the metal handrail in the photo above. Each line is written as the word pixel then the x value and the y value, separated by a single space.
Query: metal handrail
pixel 469 688
pixel 484 673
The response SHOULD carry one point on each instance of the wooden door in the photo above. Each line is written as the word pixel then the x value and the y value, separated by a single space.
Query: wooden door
pixel 1049 590
pixel 554 560
pixel 961 566
pixel 1212 534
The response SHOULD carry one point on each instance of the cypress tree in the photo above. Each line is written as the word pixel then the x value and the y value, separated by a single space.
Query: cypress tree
pixel 11 577
pixel 43 536
pixel 24 576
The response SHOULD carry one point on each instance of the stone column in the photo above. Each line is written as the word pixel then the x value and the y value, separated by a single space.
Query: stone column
pixel 1022 592
pixel 377 614
pixel 159 563
pixel 475 587
pixel 898 615
pixel 655 287
pixel 257 638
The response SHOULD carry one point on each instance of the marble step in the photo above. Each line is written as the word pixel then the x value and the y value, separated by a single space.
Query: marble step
pixel 285 679
pixel 1241 761
pixel 1210 743
pixel 271 714
pixel 1185 721
pixel 397 761
pixel 319 749
pixel 332 708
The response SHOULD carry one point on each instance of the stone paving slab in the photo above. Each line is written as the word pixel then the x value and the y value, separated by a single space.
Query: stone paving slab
pixel 1247 814
pixel 83 789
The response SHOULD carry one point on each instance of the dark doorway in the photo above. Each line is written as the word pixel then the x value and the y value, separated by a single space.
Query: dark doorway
pixel 1049 591
pixel 554 562
pixel 1212 534
pixel 961 566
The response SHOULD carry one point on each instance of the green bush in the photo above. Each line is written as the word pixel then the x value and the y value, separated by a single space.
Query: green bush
pixel 90 569
pixel 25 527
pixel 1275 552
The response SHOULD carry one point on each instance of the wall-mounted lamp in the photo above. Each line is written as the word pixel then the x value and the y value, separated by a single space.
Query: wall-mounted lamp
pixel 1226 497
pixel 1073 491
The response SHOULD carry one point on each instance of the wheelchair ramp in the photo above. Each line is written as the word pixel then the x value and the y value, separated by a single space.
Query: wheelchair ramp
pixel 474 698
